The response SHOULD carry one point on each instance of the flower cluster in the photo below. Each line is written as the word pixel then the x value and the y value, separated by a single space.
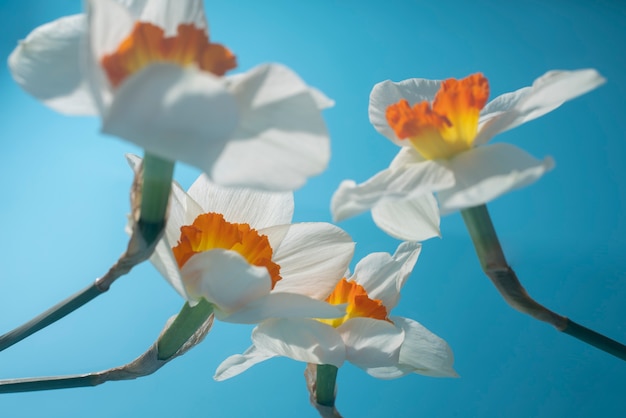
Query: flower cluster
pixel 152 73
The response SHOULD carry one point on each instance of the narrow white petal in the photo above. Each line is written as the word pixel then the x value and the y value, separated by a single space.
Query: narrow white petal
pixel 243 205
pixel 282 305
pixel 168 14
pixel 383 275
pixel 313 257
pixel 109 23
pixel 304 340
pixel 47 65
pixel 163 260
pixel 176 113
pixel 547 93
pixel 183 210
pixel 225 279
pixel 386 93
pixel 390 372
pixel 423 351
pixel 412 219
pixel 388 185
pixel 281 139
pixel 371 342
pixel 406 155
pixel 486 172
pixel 322 101
pixel 239 363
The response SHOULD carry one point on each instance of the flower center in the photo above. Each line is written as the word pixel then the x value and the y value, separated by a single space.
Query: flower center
pixel 450 125
pixel 147 44
pixel 358 303
pixel 210 231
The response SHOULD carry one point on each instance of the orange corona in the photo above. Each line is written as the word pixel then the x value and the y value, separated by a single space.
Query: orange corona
pixel 211 231
pixel 148 44
pixel 450 125
pixel 358 303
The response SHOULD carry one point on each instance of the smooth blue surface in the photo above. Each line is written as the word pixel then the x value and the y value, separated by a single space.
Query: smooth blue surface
pixel 65 199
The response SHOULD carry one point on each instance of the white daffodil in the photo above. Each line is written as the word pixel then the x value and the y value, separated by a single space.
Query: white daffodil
pixel 384 346
pixel 149 70
pixel 442 128
pixel 237 249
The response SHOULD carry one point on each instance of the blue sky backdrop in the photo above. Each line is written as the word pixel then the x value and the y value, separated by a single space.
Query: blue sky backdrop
pixel 65 200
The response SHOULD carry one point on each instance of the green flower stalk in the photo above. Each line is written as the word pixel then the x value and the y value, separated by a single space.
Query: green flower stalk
pixel 149 200
pixel 495 266
pixel 180 334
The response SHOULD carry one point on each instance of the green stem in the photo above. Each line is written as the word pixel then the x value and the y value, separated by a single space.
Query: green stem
pixel 155 191
pixel 495 266
pixel 48 383
pixel 325 384
pixel 50 316
pixel 156 186
pixel 187 322
pixel 186 331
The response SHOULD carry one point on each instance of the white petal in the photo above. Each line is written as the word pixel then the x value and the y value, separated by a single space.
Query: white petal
pixel 323 101
pixel 383 275
pixel 371 342
pixel 283 305
pixel 313 257
pixel 109 23
pixel 386 93
pixel 168 14
pixel 406 155
pixel 547 93
pixel 176 113
pixel 239 363
pixel 183 210
pixel 304 340
pixel 412 219
pixel 164 261
pixel 486 172
pixel 225 279
pixel 243 205
pixel 281 139
pixel 388 185
pixel 422 352
pixel 47 65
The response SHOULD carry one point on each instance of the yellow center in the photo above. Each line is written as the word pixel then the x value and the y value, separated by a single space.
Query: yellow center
pixel 358 303
pixel 450 125
pixel 210 231
pixel 147 44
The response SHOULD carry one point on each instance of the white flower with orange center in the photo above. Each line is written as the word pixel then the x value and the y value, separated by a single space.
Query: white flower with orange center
pixel 442 128
pixel 150 71
pixel 384 346
pixel 237 249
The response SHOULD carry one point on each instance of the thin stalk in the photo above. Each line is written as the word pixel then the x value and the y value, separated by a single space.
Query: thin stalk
pixel 325 384
pixel 180 335
pixel 154 193
pixel 48 383
pixel 495 266
pixel 50 316
pixel 187 322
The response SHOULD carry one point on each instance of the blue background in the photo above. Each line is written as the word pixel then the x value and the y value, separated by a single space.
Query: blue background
pixel 65 198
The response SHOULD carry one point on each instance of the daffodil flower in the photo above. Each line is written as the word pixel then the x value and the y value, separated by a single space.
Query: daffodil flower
pixel 237 248
pixel 150 71
pixel 442 128
pixel 384 346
